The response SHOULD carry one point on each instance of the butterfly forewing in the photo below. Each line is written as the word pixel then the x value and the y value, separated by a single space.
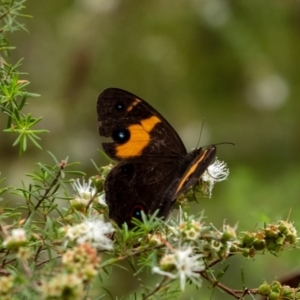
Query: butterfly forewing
pixel 136 128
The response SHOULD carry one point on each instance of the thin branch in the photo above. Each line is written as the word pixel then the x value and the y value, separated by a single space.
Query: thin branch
pixel 62 165
pixel 28 272
pixel 47 191
pixel 120 258
pixel 157 288
pixel 47 260
pixel 220 285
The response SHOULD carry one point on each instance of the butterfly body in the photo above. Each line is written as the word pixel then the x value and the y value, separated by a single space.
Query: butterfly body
pixel 154 167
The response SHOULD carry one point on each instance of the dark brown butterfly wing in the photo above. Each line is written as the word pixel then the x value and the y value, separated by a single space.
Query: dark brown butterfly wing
pixel 136 128
pixel 134 186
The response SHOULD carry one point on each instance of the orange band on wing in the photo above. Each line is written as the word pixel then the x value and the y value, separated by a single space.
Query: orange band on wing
pixel 139 138
pixel 191 170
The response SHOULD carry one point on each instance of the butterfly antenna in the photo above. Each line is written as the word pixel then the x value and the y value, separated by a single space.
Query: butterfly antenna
pixel 198 143
pixel 224 143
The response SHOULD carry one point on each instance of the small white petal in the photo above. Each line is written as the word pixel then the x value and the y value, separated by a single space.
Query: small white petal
pixel 164 273
pixel 101 200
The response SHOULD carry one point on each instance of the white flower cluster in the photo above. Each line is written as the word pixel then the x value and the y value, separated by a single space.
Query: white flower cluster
pixel 94 231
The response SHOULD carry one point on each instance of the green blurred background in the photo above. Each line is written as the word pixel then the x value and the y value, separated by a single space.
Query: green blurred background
pixel 234 63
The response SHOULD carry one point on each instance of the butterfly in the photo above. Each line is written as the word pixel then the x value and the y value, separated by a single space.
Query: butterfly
pixel 153 167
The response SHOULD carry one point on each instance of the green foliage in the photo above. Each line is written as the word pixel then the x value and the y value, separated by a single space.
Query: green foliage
pixel 13 94
pixel 9 21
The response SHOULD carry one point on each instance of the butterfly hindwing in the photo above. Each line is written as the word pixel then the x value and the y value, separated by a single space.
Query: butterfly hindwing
pixel 150 185
pixel 131 187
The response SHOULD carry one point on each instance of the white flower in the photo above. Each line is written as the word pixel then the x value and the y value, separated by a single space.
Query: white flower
pixel 18 234
pixel 185 263
pixel 101 199
pixel 84 193
pixel 84 190
pixel 16 239
pixel 216 172
pixel 93 231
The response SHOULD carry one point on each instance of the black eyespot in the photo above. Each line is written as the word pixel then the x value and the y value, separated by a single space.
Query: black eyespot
pixel 120 106
pixel 128 169
pixel 136 212
pixel 121 136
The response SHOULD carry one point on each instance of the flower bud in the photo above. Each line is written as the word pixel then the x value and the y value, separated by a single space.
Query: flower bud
pixel 287 292
pixel 246 252
pixel 259 244
pixel 248 238
pixel 274 296
pixel 98 182
pixel 276 286
pixel 228 235
pixel 264 289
